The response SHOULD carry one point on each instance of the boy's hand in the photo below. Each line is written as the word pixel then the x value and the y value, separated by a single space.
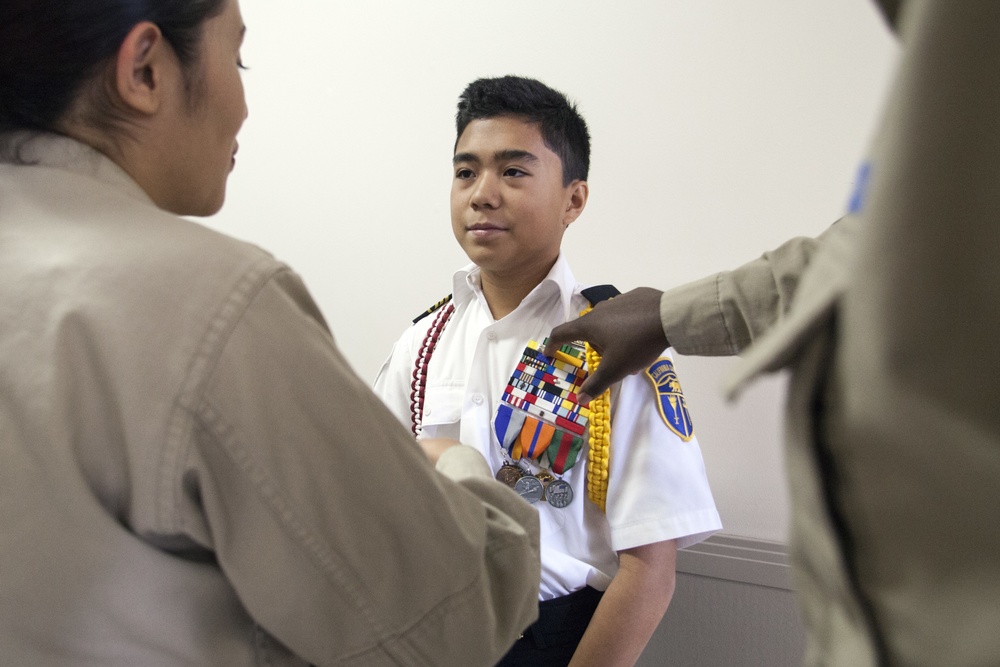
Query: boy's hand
pixel 626 331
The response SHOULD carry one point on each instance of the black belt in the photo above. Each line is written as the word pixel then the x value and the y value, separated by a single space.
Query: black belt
pixel 559 628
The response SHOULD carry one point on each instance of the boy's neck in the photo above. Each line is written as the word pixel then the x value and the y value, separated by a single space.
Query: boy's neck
pixel 504 293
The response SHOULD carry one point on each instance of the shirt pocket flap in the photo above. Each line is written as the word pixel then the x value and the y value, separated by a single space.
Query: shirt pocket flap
pixel 443 405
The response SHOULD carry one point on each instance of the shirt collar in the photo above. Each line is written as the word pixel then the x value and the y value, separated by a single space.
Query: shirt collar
pixel 467 284
pixel 55 151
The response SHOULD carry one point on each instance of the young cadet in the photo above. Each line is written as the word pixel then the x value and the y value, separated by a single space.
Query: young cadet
pixel 466 370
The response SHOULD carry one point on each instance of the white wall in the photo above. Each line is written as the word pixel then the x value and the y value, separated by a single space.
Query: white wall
pixel 720 129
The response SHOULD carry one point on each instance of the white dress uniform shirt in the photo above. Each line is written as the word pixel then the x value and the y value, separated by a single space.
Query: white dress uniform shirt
pixel 657 487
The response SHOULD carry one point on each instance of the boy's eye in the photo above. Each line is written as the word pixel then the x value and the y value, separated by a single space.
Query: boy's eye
pixel 514 171
pixel 463 173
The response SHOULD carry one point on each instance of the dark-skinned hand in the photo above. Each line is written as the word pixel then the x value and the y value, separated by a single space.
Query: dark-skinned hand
pixel 626 332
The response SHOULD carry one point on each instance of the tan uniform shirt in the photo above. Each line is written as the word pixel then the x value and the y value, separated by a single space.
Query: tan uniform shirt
pixel 893 432
pixel 723 314
pixel 193 475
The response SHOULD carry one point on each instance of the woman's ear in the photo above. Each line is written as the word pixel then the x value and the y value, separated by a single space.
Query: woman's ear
pixel 140 68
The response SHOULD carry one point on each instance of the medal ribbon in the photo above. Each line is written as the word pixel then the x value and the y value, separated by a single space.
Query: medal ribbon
pixel 536 436
pixel 539 407
pixel 563 456
pixel 508 424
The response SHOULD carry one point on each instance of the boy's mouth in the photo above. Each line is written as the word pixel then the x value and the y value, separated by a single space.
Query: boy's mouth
pixel 486 227
pixel 485 230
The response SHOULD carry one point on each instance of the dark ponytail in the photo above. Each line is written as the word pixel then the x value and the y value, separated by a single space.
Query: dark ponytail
pixel 50 49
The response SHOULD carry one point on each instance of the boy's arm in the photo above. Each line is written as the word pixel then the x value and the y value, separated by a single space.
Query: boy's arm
pixel 631 608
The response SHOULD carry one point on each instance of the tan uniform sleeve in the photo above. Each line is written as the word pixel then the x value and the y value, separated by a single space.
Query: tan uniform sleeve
pixel 722 314
pixel 340 538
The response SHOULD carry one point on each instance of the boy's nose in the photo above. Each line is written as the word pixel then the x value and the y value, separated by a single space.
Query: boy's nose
pixel 486 194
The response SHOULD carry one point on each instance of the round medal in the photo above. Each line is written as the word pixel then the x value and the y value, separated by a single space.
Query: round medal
pixel 509 474
pixel 559 493
pixel 530 488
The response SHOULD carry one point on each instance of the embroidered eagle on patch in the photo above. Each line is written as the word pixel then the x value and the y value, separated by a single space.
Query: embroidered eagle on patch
pixel 670 400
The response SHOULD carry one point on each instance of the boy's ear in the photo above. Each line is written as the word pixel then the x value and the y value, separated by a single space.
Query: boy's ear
pixel 576 201
pixel 140 68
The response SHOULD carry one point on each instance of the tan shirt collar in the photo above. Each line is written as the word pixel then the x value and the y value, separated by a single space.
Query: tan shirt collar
pixel 54 151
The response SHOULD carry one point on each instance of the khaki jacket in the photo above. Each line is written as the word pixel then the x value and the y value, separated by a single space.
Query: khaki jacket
pixel 893 434
pixel 193 475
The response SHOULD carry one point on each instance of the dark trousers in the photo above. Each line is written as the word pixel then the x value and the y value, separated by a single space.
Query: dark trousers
pixel 552 639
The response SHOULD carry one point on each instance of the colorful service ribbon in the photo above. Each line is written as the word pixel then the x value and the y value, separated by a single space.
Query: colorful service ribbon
pixel 540 412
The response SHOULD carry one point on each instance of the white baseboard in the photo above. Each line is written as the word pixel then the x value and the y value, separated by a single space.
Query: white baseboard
pixel 741 559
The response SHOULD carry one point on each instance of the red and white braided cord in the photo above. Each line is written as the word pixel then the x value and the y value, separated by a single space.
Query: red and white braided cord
pixel 419 382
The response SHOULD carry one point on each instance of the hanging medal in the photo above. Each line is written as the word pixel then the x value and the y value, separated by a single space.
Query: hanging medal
pixel 540 418
pixel 507 424
pixel 559 493
pixel 509 474
pixel 546 478
pixel 561 457
pixel 530 488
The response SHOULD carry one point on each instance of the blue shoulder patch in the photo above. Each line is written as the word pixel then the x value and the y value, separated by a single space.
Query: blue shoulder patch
pixel 860 194
pixel 673 407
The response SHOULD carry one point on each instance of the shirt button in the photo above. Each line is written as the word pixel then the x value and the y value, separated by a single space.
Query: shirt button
pixel 492 335
pixel 428 411
pixel 477 399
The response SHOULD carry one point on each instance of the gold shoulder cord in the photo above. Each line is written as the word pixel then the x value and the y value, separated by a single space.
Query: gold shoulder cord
pixel 600 436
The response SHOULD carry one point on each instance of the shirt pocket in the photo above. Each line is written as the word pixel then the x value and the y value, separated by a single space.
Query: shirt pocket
pixel 443 412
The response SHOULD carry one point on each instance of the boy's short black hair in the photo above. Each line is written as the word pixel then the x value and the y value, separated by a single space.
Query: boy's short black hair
pixel 563 128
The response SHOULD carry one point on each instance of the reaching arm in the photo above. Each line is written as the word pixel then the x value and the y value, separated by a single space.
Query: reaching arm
pixel 334 528
pixel 723 314
pixel 718 315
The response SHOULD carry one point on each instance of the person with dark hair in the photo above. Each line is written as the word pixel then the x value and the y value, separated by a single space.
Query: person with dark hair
pixel 614 506
pixel 888 324
pixel 192 474
pixel 563 129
